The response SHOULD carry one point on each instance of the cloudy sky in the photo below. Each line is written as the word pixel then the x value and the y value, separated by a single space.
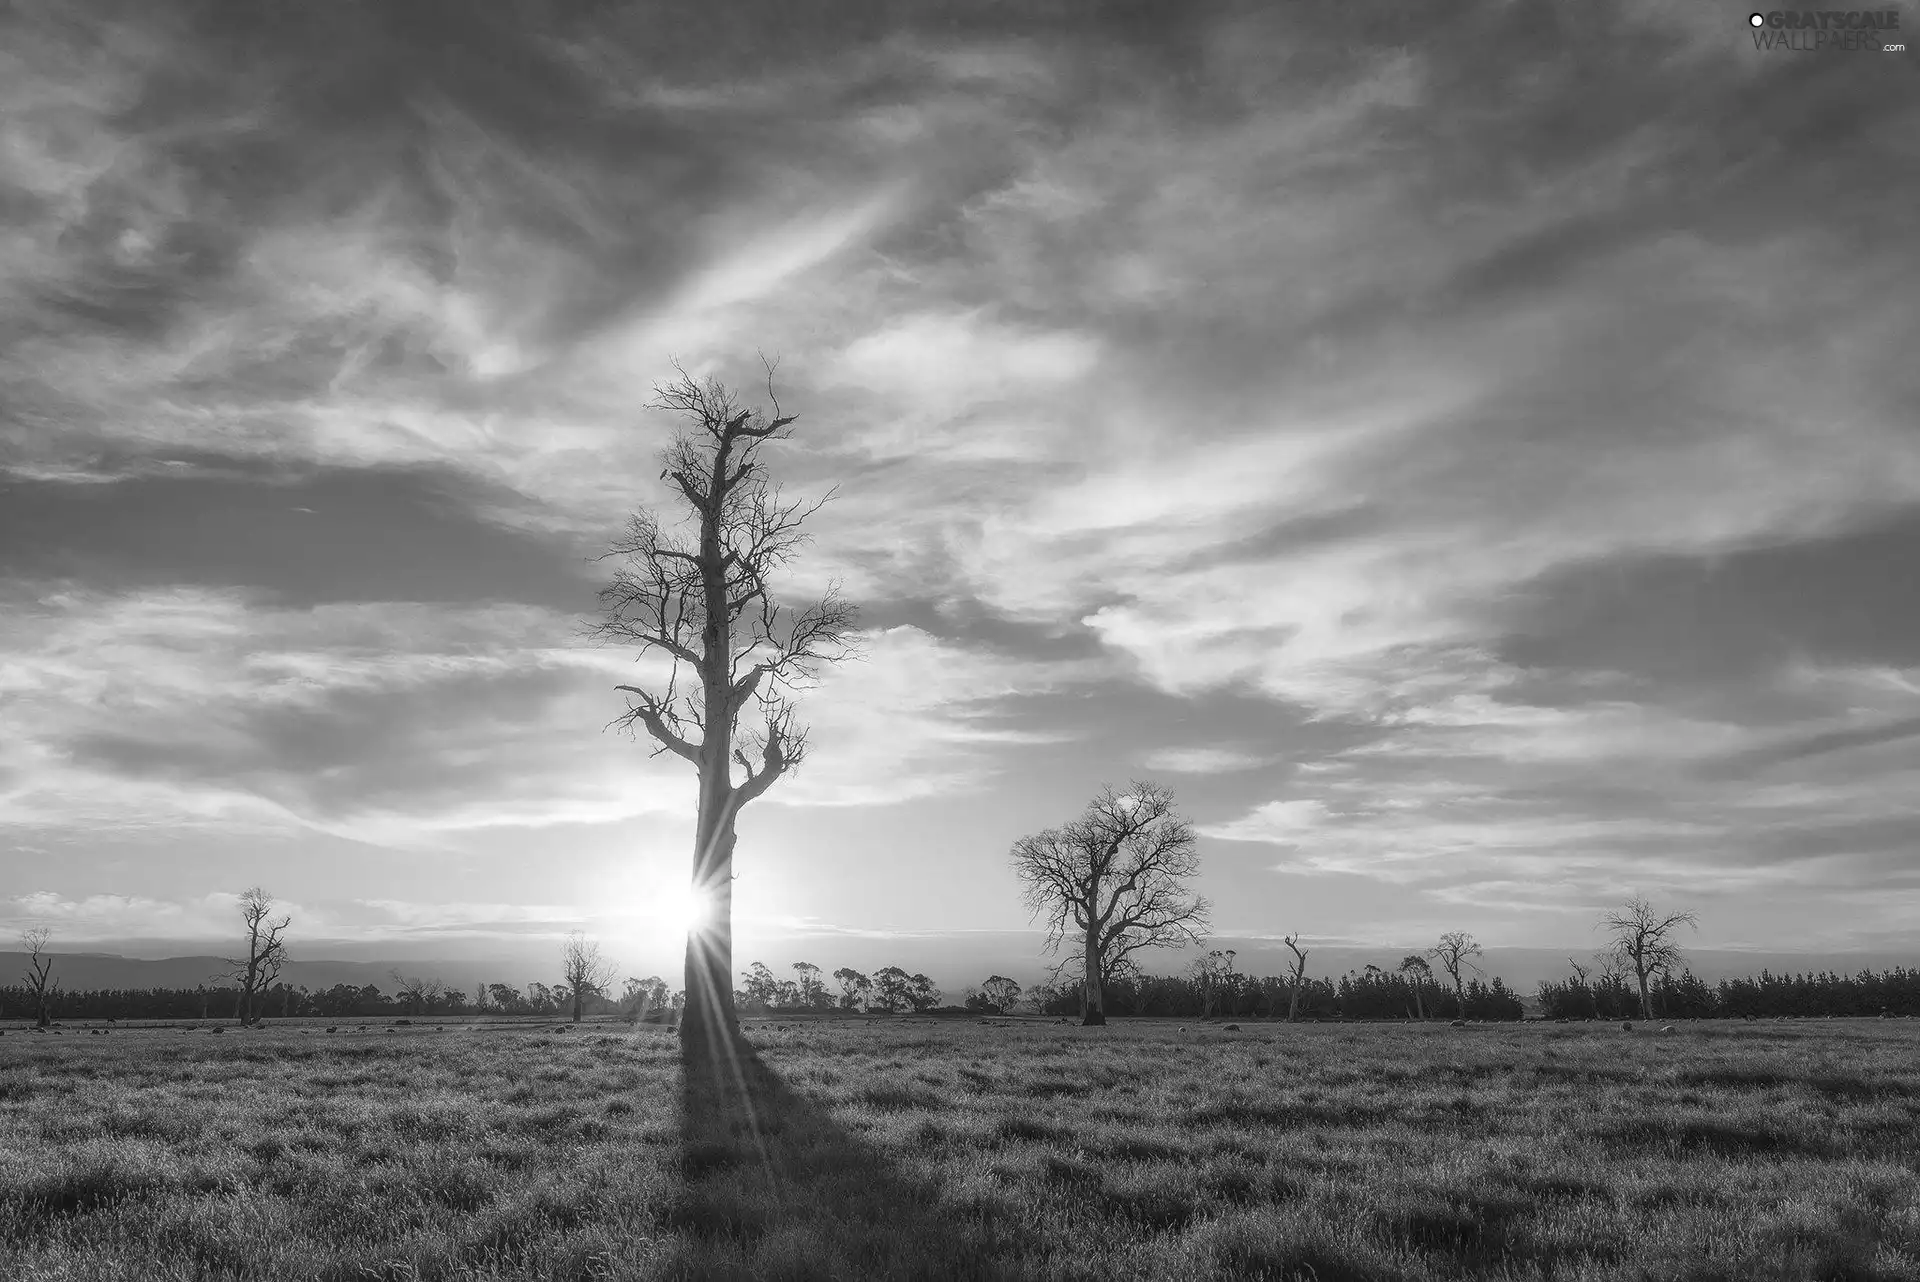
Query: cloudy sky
pixel 1471 453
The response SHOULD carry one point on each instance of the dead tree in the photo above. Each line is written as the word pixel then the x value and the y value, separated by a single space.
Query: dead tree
pixel 1455 953
pixel 266 953
pixel 587 973
pixel 1642 943
pixel 1580 978
pixel 39 977
pixel 1115 881
pixel 1294 980
pixel 703 598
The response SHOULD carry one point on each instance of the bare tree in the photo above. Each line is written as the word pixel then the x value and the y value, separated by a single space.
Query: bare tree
pixel 39 977
pixel 1419 974
pixel 1116 881
pixel 1297 977
pixel 587 973
pixel 1642 942
pixel 266 953
pixel 418 995
pixel 705 599
pixel 1455 953
pixel 1580 977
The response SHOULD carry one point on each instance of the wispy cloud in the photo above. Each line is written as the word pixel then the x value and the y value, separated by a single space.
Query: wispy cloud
pixel 1442 433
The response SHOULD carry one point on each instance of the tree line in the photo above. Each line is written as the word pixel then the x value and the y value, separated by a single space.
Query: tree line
pixel 1762 996
pixel 1370 993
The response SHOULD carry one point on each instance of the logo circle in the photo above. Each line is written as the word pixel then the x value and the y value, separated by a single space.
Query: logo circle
pixel 1756 20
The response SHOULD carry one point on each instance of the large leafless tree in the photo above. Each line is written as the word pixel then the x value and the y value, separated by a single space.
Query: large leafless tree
pixel 1297 975
pixel 1641 942
pixel 588 974
pixel 1114 881
pixel 39 977
pixel 1455 953
pixel 266 952
pixel 701 593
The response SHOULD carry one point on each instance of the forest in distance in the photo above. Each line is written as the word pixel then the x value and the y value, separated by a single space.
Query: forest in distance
pixel 1368 994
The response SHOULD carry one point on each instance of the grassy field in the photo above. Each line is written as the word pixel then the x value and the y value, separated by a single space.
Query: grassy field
pixel 930 1150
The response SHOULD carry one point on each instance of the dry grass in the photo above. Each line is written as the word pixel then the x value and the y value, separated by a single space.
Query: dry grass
pixel 930 1150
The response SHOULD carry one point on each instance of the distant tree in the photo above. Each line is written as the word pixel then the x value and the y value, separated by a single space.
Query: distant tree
pixel 1642 943
pixel 1297 975
pixel 480 996
pixel 39 976
pixel 266 952
pixel 854 988
pixel 922 993
pixel 507 998
pixel 644 997
pixel 809 989
pixel 1418 974
pixel 891 990
pixel 414 995
pixel 705 602
pixel 759 986
pixel 1455 953
pixel 1113 882
pixel 1214 973
pixel 1001 993
pixel 587 973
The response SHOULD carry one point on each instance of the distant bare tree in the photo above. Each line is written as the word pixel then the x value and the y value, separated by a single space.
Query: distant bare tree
pixel 1642 942
pixel 1580 977
pixel 39 976
pixel 1455 953
pixel 266 953
pixel 587 973
pixel 1115 881
pixel 705 600
pixel 416 994
pixel 1419 974
pixel 1295 979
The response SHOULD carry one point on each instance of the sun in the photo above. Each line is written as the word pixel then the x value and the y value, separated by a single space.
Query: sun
pixel 686 909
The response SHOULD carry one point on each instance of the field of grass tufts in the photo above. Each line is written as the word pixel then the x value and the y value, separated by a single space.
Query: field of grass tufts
pixel 941 1150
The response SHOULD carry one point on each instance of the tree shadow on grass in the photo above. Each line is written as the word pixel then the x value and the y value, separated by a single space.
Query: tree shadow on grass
pixel 773 1187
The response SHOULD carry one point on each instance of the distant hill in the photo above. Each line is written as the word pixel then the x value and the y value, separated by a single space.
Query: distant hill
pixel 109 970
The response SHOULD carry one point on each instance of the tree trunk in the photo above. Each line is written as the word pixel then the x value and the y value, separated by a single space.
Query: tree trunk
pixel 1293 1002
pixel 576 1003
pixel 1646 1011
pixel 710 1014
pixel 1096 1012
pixel 1419 1010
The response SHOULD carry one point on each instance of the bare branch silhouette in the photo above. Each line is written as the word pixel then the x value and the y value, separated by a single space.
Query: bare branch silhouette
pixel 1116 881
pixel 705 597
